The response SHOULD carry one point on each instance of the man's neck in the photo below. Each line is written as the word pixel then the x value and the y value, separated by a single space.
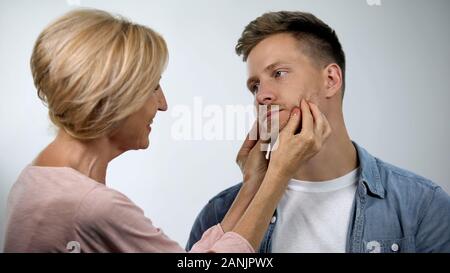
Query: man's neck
pixel 337 157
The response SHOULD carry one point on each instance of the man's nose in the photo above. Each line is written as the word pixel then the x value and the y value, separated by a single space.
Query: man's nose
pixel 265 94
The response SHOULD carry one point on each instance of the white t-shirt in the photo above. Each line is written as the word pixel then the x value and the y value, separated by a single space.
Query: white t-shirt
pixel 314 216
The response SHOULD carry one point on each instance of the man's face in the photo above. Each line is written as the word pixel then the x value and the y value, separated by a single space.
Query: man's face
pixel 280 74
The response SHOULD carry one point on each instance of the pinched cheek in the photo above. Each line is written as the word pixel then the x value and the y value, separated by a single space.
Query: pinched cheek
pixel 284 117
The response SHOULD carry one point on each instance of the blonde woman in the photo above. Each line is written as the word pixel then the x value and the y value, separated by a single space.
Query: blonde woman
pixel 99 76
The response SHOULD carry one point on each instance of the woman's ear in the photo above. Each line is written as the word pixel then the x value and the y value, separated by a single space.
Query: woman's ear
pixel 333 80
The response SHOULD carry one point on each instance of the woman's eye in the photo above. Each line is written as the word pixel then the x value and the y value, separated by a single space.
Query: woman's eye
pixel 279 73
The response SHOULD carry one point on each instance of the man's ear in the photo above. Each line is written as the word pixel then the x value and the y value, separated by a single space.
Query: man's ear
pixel 333 80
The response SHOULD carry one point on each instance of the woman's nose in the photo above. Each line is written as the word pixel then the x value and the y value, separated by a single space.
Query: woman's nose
pixel 162 102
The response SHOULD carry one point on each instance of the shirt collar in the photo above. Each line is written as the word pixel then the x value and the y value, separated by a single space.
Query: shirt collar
pixel 369 173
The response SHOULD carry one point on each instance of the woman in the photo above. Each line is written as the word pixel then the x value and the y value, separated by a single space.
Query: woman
pixel 99 77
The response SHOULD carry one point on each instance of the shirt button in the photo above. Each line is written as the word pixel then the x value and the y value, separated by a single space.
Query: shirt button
pixel 394 247
pixel 273 220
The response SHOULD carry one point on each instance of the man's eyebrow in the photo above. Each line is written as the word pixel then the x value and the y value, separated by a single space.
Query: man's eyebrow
pixel 272 66
pixel 268 68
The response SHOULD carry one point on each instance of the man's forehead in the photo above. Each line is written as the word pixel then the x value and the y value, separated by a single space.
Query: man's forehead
pixel 271 61
pixel 268 64
pixel 279 48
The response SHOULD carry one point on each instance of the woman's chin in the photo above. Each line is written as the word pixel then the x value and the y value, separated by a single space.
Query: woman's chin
pixel 145 145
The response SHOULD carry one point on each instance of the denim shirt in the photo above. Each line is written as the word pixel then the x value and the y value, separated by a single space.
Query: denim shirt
pixel 393 211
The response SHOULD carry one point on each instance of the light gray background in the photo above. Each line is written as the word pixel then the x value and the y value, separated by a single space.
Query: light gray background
pixel 396 103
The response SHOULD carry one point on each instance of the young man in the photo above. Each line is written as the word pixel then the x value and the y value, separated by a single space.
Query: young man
pixel 343 199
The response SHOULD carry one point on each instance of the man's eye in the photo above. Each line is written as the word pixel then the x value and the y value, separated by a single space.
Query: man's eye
pixel 279 73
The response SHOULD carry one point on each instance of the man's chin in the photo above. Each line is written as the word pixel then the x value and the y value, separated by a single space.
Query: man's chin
pixel 268 132
pixel 279 127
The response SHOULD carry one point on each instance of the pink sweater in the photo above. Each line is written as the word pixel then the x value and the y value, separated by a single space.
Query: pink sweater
pixel 58 209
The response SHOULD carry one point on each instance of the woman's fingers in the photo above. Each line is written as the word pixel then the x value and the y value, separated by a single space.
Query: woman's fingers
pixel 294 149
pixel 319 123
pixel 293 122
pixel 307 119
pixel 322 128
pixel 252 137
pixel 327 126
pixel 248 144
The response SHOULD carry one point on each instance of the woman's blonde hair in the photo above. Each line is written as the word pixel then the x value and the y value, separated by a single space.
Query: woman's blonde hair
pixel 93 69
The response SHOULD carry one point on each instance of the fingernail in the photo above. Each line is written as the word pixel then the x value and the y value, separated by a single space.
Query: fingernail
pixel 295 111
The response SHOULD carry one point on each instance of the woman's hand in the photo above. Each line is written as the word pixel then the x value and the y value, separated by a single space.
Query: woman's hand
pixel 251 157
pixel 253 164
pixel 291 149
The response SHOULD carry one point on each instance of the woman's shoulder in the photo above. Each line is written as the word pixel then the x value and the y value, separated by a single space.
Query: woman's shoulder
pixel 105 198
pixel 63 188
pixel 104 204
pixel 50 187
pixel 55 177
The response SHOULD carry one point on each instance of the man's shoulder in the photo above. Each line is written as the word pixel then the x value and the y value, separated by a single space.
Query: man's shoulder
pixel 420 205
pixel 410 190
pixel 392 175
pixel 384 177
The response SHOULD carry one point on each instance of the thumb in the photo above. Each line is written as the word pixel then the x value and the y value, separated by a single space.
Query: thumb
pixel 251 139
pixel 248 144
